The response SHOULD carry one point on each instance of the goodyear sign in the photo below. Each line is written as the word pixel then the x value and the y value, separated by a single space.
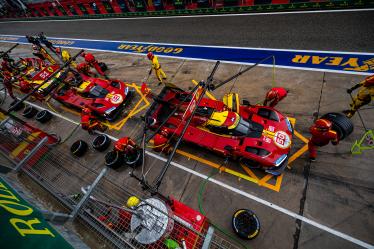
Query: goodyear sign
pixel 341 62
pixel 22 226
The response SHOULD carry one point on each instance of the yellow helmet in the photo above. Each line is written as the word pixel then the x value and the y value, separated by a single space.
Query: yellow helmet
pixel 133 201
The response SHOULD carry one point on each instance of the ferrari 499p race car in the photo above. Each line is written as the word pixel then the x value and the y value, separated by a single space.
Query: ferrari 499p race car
pixel 105 98
pixel 257 136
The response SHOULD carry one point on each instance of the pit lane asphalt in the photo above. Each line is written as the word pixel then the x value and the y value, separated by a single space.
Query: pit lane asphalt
pixel 333 31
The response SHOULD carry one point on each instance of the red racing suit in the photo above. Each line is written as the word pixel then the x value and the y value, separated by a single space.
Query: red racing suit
pixel 319 139
pixel 8 84
pixel 275 95
pixel 90 59
pixel 125 145
pixel 90 123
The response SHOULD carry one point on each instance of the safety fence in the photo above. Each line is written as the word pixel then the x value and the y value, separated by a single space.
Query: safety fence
pixel 94 199
pixel 132 8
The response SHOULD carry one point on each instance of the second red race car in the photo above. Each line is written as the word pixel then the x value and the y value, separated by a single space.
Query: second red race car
pixel 257 136
pixel 106 98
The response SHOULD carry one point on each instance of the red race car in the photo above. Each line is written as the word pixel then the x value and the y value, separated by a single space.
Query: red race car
pixel 105 98
pixel 257 136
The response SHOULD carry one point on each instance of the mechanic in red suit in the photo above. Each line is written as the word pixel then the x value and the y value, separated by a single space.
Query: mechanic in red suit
pixel 7 81
pixel 161 142
pixel 8 64
pixel 85 69
pixel 275 95
pixel 89 121
pixel 322 134
pixel 126 145
pixel 92 62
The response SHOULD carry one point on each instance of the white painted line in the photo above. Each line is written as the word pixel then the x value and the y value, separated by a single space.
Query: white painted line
pixel 195 16
pixel 222 61
pixel 240 192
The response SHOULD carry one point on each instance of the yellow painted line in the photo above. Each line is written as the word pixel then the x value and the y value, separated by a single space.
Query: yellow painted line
pixel 265 179
pixel 249 172
pixel 207 92
pixel 302 138
pixel 134 111
pixel 277 185
pixel 69 110
pixel 297 154
pixel 23 145
pixel 292 120
pixel 217 166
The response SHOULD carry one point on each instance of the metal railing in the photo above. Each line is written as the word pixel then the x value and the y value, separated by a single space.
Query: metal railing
pixel 94 199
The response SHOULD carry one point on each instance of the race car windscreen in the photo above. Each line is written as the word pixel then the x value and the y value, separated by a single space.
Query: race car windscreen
pixel 242 128
pixel 249 129
pixel 98 92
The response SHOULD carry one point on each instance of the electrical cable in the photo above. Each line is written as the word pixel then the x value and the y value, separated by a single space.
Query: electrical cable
pixel 71 133
pixel 202 211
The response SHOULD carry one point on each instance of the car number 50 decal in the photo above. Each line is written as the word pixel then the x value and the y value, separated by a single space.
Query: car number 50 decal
pixel 116 99
pixel 282 140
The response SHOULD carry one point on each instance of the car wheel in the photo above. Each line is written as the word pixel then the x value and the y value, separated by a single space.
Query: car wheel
pixel 245 224
pixel 29 112
pixel 101 142
pixel 134 161
pixel 340 123
pixel 18 107
pixel 79 148
pixel 103 66
pixel 114 159
pixel 44 116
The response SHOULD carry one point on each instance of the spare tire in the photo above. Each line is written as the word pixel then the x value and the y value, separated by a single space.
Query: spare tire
pixel 101 142
pixel 79 148
pixel 245 224
pixel 18 107
pixel 44 116
pixel 29 112
pixel 134 161
pixel 340 123
pixel 114 159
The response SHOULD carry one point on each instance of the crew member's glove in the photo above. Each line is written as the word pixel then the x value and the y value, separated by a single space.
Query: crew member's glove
pixel 349 90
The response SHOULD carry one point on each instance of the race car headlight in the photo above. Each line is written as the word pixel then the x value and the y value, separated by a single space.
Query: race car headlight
pixel 107 112
pixel 126 90
pixel 289 125
pixel 280 160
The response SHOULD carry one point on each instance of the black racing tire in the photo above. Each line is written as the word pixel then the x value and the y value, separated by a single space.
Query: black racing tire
pixel 101 142
pixel 18 107
pixel 340 123
pixel 103 66
pixel 44 116
pixel 136 161
pixel 245 224
pixel 114 159
pixel 79 148
pixel 29 112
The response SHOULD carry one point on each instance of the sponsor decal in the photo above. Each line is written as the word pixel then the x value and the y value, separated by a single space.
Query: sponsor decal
pixel 282 140
pixel 116 99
